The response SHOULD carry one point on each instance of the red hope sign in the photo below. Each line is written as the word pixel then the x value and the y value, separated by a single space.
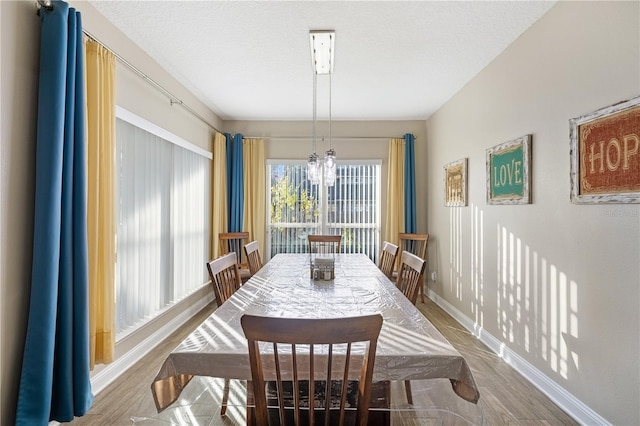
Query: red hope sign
pixel 610 154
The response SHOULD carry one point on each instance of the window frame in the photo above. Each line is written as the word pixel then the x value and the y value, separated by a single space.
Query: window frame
pixel 158 132
pixel 324 224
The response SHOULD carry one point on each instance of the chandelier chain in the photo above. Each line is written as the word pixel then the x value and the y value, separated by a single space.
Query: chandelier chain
pixel 315 109
pixel 330 141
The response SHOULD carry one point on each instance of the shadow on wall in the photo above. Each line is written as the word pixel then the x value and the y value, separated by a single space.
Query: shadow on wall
pixel 537 303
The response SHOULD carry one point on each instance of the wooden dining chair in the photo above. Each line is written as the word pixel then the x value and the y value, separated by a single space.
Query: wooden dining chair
pixel 301 341
pixel 232 242
pixel 225 278
pixel 415 244
pixel 252 251
pixel 387 260
pixel 324 244
pixel 408 281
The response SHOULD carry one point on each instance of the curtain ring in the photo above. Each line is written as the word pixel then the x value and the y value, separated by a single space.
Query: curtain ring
pixel 43 4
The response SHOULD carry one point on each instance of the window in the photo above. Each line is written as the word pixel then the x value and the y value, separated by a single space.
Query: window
pixel 350 208
pixel 163 219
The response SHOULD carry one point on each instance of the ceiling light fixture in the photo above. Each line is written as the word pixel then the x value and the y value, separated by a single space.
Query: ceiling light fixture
pixel 322 53
pixel 322 49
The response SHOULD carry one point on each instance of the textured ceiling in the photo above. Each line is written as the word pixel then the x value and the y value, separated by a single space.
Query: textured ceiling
pixel 394 60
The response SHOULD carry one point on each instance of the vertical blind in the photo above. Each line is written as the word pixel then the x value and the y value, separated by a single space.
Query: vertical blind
pixel 350 208
pixel 353 208
pixel 163 224
pixel 294 208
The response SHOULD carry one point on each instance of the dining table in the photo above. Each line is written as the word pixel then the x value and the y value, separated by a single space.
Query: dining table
pixel 409 346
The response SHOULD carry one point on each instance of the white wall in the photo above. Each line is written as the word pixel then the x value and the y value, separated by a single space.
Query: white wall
pixel 556 283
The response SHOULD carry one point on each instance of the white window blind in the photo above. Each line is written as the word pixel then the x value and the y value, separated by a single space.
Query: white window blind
pixel 163 220
pixel 350 208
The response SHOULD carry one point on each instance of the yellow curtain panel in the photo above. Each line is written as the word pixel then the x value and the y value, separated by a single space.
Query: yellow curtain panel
pixel 394 223
pixel 218 192
pixel 254 190
pixel 101 121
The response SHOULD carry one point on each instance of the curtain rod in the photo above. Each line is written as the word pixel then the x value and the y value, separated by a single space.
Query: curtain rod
pixel 321 139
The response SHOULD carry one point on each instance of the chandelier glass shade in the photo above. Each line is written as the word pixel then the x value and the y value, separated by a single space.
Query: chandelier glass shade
pixel 330 168
pixel 313 169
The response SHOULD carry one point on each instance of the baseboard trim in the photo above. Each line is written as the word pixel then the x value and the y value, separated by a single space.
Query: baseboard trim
pixel 118 367
pixel 565 400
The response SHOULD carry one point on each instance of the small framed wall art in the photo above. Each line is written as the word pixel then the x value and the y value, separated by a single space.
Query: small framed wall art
pixel 509 172
pixel 605 155
pixel 455 183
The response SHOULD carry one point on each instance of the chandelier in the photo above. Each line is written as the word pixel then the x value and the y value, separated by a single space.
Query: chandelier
pixel 322 53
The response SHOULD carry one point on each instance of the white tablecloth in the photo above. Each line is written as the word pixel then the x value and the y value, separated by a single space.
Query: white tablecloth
pixel 409 346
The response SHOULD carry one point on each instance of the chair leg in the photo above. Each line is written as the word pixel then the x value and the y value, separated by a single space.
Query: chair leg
pixel 251 408
pixel 225 398
pixel 407 388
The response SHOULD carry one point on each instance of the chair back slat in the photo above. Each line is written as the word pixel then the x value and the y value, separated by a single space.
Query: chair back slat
pixel 413 243
pixel 312 379
pixel 254 259
pixel 409 275
pixel 302 335
pixel 387 260
pixel 232 242
pixel 225 277
pixel 324 244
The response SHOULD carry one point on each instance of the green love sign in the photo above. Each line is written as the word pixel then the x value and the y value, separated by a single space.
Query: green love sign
pixel 507 172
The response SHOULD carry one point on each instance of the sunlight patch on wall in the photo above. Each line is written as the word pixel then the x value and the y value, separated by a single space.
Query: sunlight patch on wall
pixel 573 322
pixel 537 304
pixel 477 263
pixel 455 251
